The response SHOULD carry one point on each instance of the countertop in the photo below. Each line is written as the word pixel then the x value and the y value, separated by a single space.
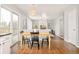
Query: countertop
pixel 4 34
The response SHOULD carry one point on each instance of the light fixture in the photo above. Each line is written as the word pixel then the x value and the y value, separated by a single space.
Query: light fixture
pixel 33 10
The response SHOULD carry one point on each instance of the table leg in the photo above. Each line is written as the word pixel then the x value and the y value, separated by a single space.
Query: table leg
pixel 49 41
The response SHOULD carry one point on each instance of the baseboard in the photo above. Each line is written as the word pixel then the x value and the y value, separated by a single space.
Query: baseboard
pixel 72 43
pixel 14 44
pixel 60 37
pixel 77 46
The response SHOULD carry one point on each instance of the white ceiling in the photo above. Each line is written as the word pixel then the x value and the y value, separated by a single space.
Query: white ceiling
pixel 51 10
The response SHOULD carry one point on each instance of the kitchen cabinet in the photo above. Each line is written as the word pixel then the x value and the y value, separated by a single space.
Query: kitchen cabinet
pixel 5 43
pixel 0 48
pixel 6 47
pixel 14 39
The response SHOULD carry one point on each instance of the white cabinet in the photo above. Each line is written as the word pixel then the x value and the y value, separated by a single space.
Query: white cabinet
pixel 6 47
pixel 1 44
pixel 0 48
pixel 5 43
pixel 14 39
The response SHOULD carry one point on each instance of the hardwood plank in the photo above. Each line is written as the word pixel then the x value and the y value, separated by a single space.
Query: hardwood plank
pixel 58 46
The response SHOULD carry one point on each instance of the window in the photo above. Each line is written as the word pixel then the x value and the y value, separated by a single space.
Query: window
pixel 8 22
pixel 15 23
pixel 5 21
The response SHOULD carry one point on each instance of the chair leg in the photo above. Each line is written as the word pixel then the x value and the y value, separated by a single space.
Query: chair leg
pixel 42 43
pixel 22 42
pixel 31 45
pixel 47 42
pixel 28 44
pixel 38 45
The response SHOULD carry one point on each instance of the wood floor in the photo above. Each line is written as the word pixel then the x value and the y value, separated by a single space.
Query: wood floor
pixel 58 46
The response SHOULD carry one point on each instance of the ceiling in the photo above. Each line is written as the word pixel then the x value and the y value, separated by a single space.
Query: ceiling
pixel 51 10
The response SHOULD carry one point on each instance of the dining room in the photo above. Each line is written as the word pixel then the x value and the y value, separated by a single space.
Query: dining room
pixel 39 29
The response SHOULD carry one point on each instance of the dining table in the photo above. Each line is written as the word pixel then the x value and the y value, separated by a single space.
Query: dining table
pixel 41 34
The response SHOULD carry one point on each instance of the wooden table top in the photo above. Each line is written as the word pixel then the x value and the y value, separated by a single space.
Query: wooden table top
pixel 40 33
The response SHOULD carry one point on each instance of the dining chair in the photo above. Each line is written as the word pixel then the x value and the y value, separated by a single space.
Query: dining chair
pixel 45 41
pixel 35 39
pixel 44 36
pixel 26 38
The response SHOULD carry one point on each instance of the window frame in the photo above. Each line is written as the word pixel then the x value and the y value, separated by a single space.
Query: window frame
pixel 11 29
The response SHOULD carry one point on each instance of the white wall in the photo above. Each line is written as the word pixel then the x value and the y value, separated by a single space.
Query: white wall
pixel 59 30
pixel 78 26
pixel 22 22
pixel 65 26
pixel 57 27
pixel 62 27
pixel 50 24
pixel 70 25
pixel 29 24
pixel 0 11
